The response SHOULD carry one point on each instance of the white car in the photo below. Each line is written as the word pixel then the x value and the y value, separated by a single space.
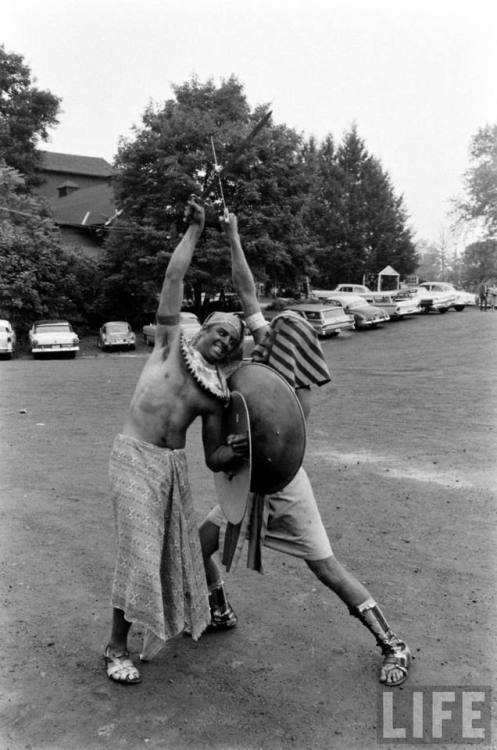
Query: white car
pixel 116 334
pixel 462 298
pixel 364 314
pixel 53 337
pixel 190 325
pixel 437 295
pixel 352 288
pixel 395 305
pixel 7 339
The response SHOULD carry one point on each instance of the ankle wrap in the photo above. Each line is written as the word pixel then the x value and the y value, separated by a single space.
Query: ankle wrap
pixel 217 596
pixel 373 618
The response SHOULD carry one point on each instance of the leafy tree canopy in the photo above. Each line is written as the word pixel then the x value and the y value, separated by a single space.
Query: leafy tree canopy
pixel 480 203
pixel 170 156
pixel 26 115
pixel 38 279
pixel 479 262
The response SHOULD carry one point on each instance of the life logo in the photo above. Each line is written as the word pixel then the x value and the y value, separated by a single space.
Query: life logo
pixel 435 714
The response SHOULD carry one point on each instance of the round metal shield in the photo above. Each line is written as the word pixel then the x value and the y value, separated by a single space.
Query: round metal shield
pixel 233 488
pixel 277 426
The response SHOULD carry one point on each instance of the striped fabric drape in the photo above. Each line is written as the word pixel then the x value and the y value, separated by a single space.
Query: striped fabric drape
pixel 294 351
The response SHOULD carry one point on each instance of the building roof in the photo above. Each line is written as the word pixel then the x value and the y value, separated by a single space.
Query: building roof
pixel 92 166
pixel 389 271
pixel 87 207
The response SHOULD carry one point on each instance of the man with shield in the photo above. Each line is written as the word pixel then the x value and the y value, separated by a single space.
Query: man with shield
pixel 159 581
pixel 289 520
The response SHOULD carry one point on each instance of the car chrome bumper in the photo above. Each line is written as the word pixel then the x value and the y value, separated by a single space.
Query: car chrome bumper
pixel 54 348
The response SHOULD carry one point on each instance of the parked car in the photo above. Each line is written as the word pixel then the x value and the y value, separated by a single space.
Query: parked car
pixel 468 298
pixel 53 337
pixel 461 298
pixel 116 334
pixel 396 306
pixel 352 288
pixel 365 315
pixel 190 325
pixel 326 319
pixel 433 297
pixel 7 339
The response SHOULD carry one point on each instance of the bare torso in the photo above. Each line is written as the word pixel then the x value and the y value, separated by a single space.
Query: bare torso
pixel 167 400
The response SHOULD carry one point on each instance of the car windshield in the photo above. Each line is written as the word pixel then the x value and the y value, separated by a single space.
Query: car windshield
pixel 117 328
pixel 53 328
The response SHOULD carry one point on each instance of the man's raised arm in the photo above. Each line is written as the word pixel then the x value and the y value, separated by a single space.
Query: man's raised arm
pixel 171 296
pixel 243 280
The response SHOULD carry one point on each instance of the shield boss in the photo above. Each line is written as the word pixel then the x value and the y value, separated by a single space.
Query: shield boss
pixel 277 426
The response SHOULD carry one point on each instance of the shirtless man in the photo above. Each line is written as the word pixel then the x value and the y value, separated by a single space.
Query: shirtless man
pixel 294 524
pixel 159 581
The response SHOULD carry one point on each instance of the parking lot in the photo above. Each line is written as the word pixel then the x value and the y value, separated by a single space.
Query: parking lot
pixel 401 453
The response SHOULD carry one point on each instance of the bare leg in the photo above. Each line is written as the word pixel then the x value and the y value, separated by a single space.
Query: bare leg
pixel 361 605
pixel 119 666
pixel 339 580
pixel 209 541
pixel 223 616
pixel 120 629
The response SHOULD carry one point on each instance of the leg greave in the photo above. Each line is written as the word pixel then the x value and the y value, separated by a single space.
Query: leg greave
pixel 223 616
pixel 373 618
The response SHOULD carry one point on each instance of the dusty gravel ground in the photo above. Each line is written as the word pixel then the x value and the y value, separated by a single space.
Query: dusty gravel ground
pixel 401 453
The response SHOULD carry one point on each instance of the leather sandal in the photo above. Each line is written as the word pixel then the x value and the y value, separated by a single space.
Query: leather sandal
pixel 397 657
pixel 120 668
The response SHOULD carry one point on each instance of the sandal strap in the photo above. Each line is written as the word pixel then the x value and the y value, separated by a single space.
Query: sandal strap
pixel 127 667
pixel 119 666
pixel 393 662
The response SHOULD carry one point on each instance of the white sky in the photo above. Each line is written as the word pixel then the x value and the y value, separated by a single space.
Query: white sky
pixel 417 77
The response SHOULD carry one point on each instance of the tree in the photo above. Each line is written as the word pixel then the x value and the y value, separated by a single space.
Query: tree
pixel 26 115
pixel 430 265
pixel 480 203
pixel 479 263
pixel 38 279
pixel 170 156
pixel 361 223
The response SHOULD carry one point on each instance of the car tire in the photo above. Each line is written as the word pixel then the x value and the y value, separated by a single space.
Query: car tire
pixel 442 310
pixel 459 308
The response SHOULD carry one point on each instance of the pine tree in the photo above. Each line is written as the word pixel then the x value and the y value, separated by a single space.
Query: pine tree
pixel 361 225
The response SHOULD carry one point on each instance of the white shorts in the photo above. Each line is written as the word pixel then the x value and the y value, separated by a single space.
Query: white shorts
pixel 294 523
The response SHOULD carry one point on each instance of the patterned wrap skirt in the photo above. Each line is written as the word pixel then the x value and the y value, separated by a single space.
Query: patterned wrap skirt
pixel 159 578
